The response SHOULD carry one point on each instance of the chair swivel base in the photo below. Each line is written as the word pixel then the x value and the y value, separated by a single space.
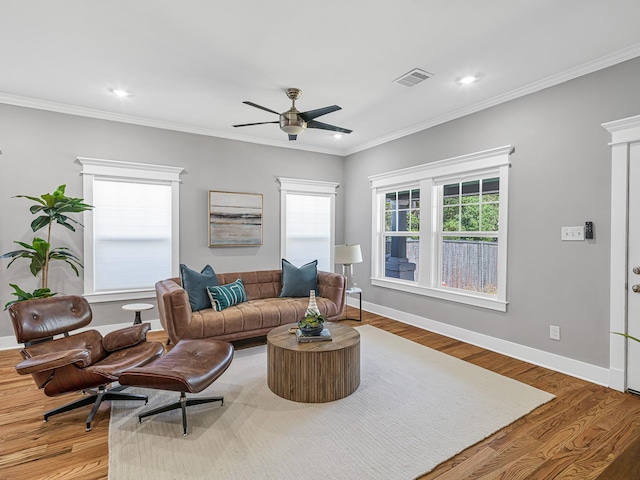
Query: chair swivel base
pixel 183 403
pixel 96 398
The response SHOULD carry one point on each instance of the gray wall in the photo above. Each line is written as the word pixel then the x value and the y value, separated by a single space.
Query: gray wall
pixel 39 151
pixel 560 176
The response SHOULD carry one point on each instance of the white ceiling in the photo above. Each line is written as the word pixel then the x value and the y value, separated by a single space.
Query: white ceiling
pixel 189 64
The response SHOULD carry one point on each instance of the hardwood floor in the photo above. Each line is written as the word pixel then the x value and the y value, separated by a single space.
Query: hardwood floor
pixel 588 430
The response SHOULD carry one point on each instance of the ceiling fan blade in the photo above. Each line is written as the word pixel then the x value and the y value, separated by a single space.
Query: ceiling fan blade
pixel 249 124
pixel 292 137
pixel 261 107
pixel 326 126
pixel 311 114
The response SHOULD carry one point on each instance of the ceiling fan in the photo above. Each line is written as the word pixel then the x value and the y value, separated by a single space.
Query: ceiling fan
pixel 293 122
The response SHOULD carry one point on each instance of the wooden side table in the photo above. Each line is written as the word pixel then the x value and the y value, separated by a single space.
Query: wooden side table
pixel 137 307
pixel 313 372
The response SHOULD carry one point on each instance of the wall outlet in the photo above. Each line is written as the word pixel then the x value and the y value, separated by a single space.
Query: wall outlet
pixel 572 233
pixel 554 332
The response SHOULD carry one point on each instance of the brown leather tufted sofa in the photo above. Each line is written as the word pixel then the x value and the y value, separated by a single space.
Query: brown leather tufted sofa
pixel 264 311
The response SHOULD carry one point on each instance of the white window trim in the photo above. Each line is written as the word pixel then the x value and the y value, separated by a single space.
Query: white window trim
pixel 494 162
pixel 94 167
pixel 307 187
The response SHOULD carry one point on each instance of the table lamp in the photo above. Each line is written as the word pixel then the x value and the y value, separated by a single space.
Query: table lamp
pixel 347 255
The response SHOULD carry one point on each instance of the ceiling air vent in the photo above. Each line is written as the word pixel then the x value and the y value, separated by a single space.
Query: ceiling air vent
pixel 413 77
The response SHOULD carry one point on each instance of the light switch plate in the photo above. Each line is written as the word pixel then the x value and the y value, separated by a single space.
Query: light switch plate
pixel 572 234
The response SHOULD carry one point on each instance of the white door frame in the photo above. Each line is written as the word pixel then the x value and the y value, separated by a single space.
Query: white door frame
pixel 623 132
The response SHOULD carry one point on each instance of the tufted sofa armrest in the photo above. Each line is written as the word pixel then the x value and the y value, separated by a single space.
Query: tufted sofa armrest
pixel 50 361
pixel 333 286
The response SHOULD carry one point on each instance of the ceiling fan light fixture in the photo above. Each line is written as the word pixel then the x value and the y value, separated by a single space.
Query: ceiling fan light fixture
pixel 292 129
pixel 291 123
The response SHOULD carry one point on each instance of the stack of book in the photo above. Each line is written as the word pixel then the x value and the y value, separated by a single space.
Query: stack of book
pixel 323 336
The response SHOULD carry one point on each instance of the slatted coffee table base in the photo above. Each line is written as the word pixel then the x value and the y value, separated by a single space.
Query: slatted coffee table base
pixel 314 372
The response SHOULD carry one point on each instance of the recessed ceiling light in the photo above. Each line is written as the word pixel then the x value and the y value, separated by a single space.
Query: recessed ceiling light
pixel 119 92
pixel 337 135
pixel 467 80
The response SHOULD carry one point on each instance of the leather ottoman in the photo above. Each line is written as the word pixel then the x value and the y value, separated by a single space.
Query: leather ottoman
pixel 190 366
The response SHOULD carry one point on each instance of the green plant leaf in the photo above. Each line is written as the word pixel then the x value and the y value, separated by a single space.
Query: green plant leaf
pixel 54 207
pixel 36 208
pixel 15 252
pixel 40 222
pixel 64 254
pixel 627 336
pixel 35 199
pixel 18 291
pixel 22 295
pixel 41 246
pixel 66 225
pixel 36 252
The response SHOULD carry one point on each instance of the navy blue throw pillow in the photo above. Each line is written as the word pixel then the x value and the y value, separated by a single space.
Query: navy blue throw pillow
pixel 297 282
pixel 196 286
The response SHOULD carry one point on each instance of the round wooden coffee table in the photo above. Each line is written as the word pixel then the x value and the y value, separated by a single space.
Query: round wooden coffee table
pixel 313 372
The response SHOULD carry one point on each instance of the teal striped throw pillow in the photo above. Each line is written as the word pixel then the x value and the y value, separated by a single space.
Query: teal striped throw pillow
pixel 224 296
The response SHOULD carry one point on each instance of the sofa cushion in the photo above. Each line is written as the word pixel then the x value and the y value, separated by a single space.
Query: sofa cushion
pixel 225 296
pixel 196 285
pixel 259 284
pixel 297 282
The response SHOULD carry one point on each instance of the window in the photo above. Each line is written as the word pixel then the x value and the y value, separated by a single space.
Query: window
pixel 440 229
pixel 307 219
pixel 131 235
pixel 467 237
pixel 402 229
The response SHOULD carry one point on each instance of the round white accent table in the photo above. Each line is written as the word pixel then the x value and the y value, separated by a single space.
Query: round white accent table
pixel 137 307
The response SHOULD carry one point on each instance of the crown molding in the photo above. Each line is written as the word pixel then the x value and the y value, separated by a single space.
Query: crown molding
pixel 575 72
pixel 65 108
pixel 620 56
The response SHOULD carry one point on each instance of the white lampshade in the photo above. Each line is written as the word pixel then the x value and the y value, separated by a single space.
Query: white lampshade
pixel 348 254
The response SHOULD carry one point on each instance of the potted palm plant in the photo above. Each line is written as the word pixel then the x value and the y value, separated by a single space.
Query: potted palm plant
pixel 49 208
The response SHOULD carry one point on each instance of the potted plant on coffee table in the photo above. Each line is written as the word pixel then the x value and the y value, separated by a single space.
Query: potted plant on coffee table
pixel 312 323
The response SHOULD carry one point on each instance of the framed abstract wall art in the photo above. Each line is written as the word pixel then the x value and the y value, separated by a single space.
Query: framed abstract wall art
pixel 235 219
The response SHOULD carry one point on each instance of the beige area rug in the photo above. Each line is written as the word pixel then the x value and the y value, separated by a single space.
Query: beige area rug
pixel 414 409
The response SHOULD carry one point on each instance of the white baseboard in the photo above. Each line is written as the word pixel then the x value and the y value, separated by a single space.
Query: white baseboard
pixel 617 379
pixel 8 343
pixel 558 363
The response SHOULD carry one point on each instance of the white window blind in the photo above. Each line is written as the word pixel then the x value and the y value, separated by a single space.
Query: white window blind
pixel 307 221
pixel 308 233
pixel 132 234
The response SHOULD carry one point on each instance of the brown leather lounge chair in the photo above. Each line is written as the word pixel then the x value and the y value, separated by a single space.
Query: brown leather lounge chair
pixel 78 362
